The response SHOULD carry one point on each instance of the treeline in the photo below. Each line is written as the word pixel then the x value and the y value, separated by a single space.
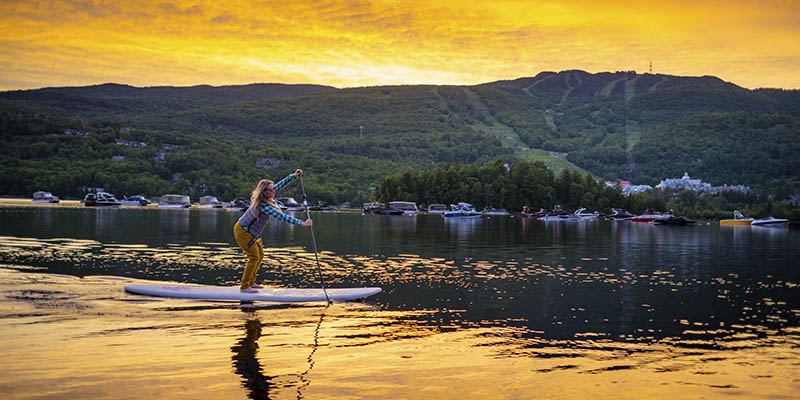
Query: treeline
pixel 39 156
pixel 498 184
pixel 622 125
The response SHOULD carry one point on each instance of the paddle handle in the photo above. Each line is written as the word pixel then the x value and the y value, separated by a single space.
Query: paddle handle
pixel 314 241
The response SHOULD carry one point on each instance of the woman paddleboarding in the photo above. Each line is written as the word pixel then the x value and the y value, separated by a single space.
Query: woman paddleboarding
pixel 250 225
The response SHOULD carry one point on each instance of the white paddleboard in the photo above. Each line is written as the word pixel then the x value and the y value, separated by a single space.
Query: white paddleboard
pixel 282 295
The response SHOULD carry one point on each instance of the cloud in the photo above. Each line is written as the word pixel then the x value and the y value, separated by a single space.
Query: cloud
pixel 357 43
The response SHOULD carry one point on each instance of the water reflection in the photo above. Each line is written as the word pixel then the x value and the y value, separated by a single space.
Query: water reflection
pixel 246 364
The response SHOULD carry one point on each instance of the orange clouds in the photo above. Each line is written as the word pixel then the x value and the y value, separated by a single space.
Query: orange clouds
pixel 361 43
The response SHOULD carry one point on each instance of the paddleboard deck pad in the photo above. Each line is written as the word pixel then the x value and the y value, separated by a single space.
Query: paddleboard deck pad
pixel 273 294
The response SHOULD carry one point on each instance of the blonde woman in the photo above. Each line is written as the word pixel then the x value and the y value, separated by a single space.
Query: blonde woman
pixel 250 225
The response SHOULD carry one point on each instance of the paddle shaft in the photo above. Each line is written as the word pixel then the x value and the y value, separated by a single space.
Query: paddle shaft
pixel 313 241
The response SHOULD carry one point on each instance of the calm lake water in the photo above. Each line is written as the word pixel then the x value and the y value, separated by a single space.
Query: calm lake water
pixel 502 307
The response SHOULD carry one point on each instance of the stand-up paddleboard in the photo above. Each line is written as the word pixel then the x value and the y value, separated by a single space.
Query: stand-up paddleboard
pixel 273 294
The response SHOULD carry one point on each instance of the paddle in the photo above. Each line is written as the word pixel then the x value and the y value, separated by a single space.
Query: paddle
pixel 314 241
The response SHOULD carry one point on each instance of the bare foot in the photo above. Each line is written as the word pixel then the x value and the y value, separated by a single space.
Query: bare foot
pixel 256 286
pixel 248 290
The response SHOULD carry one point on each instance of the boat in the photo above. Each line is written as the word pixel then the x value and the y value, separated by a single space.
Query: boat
pixel 134 201
pixel 770 221
pixel 209 202
pixel 290 203
pixel 558 212
pixel 674 220
pixel 100 199
pixel 238 205
pixel 581 213
pixel 45 197
pixel 407 207
pixel 462 210
pixel 437 209
pixel 174 201
pixel 618 215
pixel 738 219
pixel 379 208
pixel 371 207
pixel 648 216
pixel 527 212
pixel 495 212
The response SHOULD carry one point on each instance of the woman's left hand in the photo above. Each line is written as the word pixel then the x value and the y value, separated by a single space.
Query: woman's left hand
pixel 298 172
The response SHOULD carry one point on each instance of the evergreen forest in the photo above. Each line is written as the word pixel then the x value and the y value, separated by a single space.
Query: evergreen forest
pixel 390 142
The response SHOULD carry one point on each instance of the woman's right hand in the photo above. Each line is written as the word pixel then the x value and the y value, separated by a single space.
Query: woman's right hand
pixel 307 223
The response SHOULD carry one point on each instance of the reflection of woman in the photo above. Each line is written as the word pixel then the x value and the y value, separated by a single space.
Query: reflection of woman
pixel 250 225
pixel 246 363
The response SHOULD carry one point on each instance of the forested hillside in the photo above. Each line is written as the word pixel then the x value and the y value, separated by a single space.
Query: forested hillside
pixel 623 125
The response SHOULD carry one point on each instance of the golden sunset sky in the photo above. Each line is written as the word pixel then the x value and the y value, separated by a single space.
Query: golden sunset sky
pixel 375 42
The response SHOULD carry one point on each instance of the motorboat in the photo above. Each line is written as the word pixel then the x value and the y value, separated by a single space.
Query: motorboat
pixel 134 201
pixel 290 203
pixel 437 209
pixel 209 202
pixel 558 212
pixel 45 197
pixel 619 215
pixel 379 208
pixel 100 199
pixel 463 210
pixel 527 212
pixel 649 216
pixel 372 207
pixel 495 212
pixel 770 221
pixel 581 213
pixel 238 205
pixel 407 207
pixel 738 219
pixel 174 201
pixel 674 220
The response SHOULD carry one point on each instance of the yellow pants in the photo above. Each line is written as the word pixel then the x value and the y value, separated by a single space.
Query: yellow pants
pixel 255 254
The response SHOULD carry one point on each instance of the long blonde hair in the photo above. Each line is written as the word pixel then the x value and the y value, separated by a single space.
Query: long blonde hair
pixel 255 196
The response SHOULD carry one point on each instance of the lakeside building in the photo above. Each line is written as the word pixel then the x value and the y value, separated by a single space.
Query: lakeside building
pixel 627 189
pixel 697 185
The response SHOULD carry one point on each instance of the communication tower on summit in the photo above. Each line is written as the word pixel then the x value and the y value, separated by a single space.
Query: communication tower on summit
pixel 651 67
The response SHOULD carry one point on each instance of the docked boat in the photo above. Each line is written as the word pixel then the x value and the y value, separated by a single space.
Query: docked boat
pixel 583 214
pixel 437 209
pixel 528 212
pixel 380 209
pixel 618 215
pixel 738 219
pixel 407 207
pixel 45 197
pixel 209 202
pixel 495 212
pixel 649 217
pixel 174 201
pixel 238 205
pixel 463 210
pixel 674 220
pixel 100 199
pixel 134 201
pixel 290 203
pixel 770 221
